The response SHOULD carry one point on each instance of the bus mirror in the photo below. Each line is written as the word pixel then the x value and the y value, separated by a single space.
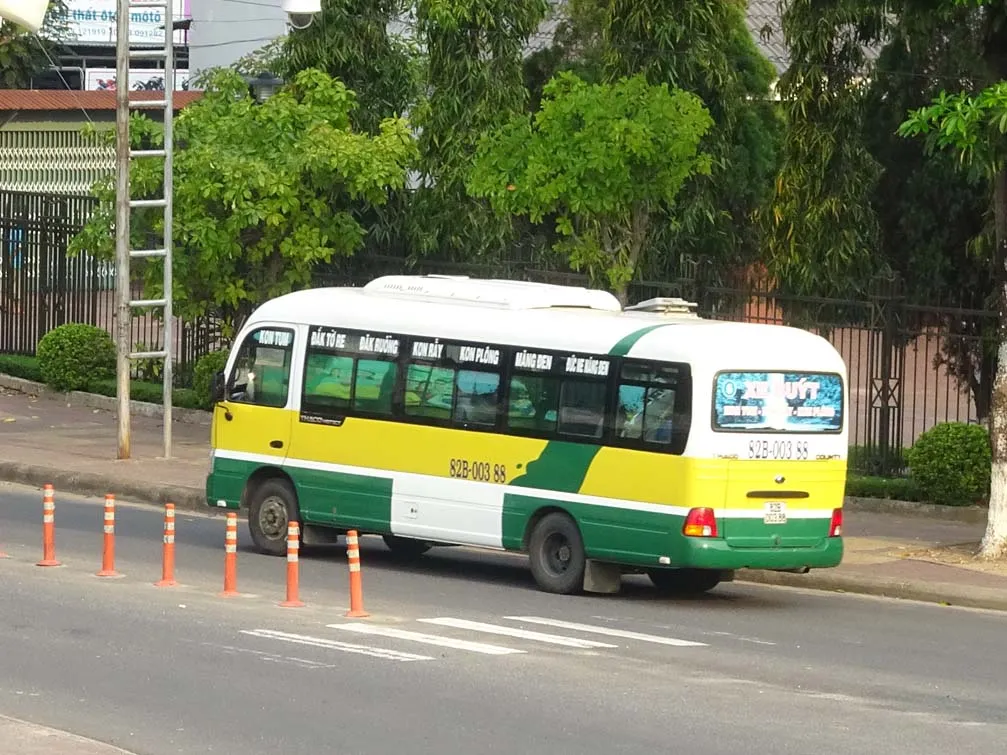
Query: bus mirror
pixel 218 387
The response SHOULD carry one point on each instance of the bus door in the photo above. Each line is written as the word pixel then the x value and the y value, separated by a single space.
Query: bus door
pixel 252 425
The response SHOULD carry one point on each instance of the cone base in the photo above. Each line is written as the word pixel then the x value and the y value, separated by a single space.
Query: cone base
pixel 361 614
pixel 165 583
pixel 49 562
pixel 110 573
pixel 228 594
pixel 292 604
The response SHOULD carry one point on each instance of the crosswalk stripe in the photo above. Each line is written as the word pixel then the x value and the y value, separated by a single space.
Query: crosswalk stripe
pixel 607 631
pixel 429 639
pixel 524 634
pixel 346 647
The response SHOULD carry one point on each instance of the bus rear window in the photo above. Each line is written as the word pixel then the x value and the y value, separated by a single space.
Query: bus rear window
pixel 792 402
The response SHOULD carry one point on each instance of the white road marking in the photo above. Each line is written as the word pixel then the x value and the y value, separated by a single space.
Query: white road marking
pixel 272 657
pixel 739 638
pixel 607 631
pixel 553 639
pixel 429 639
pixel 346 647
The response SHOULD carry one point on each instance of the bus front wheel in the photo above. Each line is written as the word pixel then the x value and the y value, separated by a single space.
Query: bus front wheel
pixel 685 581
pixel 272 508
pixel 556 551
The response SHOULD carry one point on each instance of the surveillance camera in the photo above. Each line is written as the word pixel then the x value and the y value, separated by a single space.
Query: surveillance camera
pixel 300 13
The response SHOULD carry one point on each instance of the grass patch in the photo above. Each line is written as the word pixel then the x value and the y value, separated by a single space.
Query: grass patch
pixel 139 390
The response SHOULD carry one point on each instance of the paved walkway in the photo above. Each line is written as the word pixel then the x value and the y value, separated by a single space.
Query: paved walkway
pixel 74 447
pixel 23 738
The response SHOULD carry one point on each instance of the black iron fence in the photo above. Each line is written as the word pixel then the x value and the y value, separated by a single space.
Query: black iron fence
pixel 42 286
pixel 910 365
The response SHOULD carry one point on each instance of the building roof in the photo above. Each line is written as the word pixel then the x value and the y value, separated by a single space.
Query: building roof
pixel 766 28
pixel 63 99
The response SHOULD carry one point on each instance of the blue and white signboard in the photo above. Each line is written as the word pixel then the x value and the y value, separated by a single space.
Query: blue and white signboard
pixel 778 402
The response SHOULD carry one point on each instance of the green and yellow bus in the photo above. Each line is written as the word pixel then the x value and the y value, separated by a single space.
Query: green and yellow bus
pixel 549 420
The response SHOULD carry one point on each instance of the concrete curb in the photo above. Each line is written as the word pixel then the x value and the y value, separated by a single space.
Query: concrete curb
pixel 968 596
pixel 92 484
pixel 968 514
pixel 106 403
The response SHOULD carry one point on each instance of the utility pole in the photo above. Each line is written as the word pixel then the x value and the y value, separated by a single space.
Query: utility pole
pixel 125 154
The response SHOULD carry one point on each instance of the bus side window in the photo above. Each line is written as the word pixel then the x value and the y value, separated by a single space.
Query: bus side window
pixel 262 369
pixel 476 396
pixel 374 386
pixel 582 408
pixel 629 420
pixel 533 403
pixel 327 382
pixel 429 391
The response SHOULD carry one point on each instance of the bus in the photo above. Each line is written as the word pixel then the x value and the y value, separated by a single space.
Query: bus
pixel 600 440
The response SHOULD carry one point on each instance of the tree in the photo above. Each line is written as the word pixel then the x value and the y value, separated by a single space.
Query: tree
pixel 474 83
pixel 24 54
pixel 261 191
pixel 823 233
pixel 974 127
pixel 704 47
pixel 350 41
pixel 604 158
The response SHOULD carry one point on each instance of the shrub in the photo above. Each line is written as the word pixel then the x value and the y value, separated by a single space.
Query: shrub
pixel 73 356
pixel 951 464
pixel 202 376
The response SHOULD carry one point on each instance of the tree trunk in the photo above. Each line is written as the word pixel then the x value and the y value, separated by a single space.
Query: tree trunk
pixel 994 544
pixel 639 227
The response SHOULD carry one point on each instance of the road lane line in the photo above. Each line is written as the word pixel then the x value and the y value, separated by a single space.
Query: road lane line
pixel 608 631
pixel 524 634
pixel 429 639
pixel 346 647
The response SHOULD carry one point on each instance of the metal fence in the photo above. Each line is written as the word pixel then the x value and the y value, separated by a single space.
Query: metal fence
pixel 910 365
pixel 42 286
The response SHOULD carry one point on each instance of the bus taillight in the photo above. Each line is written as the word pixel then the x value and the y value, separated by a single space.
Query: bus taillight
pixel 836 525
pixel 700 523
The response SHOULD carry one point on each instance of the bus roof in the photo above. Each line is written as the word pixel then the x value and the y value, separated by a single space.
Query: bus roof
pixel 545 316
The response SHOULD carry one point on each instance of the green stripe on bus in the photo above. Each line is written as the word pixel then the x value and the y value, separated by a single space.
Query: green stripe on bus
pixel 341 499
pixel 622 348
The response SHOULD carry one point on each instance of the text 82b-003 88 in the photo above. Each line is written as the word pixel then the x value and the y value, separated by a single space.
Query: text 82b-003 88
pixel 480 471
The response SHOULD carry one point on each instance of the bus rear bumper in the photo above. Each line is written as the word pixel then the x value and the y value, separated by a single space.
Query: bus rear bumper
pixel 711 553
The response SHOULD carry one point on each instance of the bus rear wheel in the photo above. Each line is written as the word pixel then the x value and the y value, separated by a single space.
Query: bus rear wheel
pixel 272 507
pixel 405 546
pixel 685 581
pixel 556 551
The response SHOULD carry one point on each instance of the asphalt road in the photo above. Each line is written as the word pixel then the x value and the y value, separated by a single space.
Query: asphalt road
pixel 747 668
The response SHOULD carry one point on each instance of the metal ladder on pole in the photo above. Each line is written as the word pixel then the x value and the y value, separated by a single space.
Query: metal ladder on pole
pixel 125 155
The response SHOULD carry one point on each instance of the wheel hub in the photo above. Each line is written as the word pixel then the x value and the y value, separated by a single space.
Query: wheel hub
pixel 273 518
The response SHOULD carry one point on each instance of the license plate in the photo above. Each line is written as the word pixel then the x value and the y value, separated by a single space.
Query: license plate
pixel 775 512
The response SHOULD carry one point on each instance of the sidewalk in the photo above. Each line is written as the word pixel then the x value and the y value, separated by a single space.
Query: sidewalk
pixel 22 738
pixel 74 447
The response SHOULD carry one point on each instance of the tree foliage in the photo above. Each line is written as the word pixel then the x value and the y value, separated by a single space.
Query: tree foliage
pixel 973 126
pixel 705 47
pixel 350 41
pixel 474 83
pixel 262 192
pixel 823 233
pixel 603 158
pixel 25 54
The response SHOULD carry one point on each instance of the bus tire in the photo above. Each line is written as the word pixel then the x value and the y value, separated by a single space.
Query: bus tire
pixel 272 506
pixel 685 581
pixel 556 551
pixel 406 547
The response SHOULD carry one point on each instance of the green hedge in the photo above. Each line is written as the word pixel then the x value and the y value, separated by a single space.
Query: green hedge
pixel 74 356
pixel 25 368
pixel 139 390
pixel 894 489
